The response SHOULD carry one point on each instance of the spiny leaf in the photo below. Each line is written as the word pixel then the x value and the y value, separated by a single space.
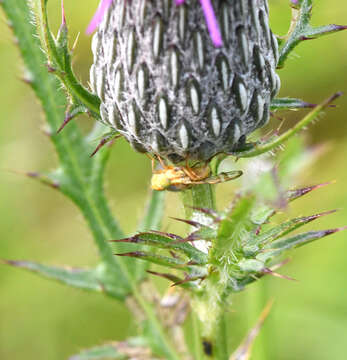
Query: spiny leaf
pixel 231 228
pixel 297 193
pixel 59 58
pixel 160 260
pixel 268 271
pixel 301 29
pixel 164 241
pixel 282 230
pixel 289 103
pixel 262 147
pixel 152 220
pixel 109 138
pixel 86 279
pixel 276 248
pixel 71 113
pixel 189 222
pixel 43 179
pixel 176 280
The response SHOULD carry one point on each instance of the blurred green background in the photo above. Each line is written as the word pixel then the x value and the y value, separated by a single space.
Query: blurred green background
pixel 44 320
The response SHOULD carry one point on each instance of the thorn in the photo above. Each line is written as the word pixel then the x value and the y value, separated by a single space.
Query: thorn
pixel 136 254
pixel 280 264
pixel 170 277
pixel 174 255
pixel 333 231
pixel 75 42
pixel 268 271
pixel 103 142
pixel 192 262
pixel 304 38
pixel 132 239
pixel 258 230
pixel 189 222
pixel 294 194
pixel 188 279
pixel 10 262
pixel 44 179
pixel 207 211
pixel 36 175
pixel 333 98
pixel 67 119
pixel 317 216
pixel 63 18
pixel 50 68
pixel 192 237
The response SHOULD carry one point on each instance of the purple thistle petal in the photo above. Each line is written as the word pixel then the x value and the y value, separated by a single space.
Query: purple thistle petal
pixel 99 15
pixel 211 22
pixel 206 5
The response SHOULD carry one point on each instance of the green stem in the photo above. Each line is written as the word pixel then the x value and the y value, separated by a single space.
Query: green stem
pixel 197 342
pixel 79 177
pixel 203 196
pixel 199 196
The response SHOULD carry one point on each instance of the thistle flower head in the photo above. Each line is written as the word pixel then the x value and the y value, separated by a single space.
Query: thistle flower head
pixel 169 89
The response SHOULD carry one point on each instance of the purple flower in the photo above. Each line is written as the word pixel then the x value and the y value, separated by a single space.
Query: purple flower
pixel 206 5
pixel 99 15
pixel 211 22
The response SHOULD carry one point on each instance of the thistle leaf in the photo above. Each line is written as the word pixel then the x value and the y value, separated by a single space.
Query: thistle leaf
pixel 301 29
pixel 282 230
pixel 298 193
pixel 165 241
pixel 79 177
pixel 166 261
pixel 289 103
pixel 59 58
pixel 262 147
pixel 86 279
pixel 279 246
pixel 176 280
pixel 236 222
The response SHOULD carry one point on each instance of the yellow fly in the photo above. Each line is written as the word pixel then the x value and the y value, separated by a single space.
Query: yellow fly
pixel 176 178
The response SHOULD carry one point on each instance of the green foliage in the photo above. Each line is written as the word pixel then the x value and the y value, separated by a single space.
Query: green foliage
pixel 79 177
pixel 261 146
pixel 59 61
pixel 288 103
pixel 301 30
pixel 91 280
pixel 170 242
pixel 242 243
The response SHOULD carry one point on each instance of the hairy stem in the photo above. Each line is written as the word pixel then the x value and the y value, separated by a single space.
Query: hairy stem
pixel 213 338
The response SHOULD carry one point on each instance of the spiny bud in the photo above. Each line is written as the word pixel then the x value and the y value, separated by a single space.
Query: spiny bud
pixel 166 87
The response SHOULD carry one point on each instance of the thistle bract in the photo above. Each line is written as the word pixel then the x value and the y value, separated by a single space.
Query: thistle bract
pixel 166 87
